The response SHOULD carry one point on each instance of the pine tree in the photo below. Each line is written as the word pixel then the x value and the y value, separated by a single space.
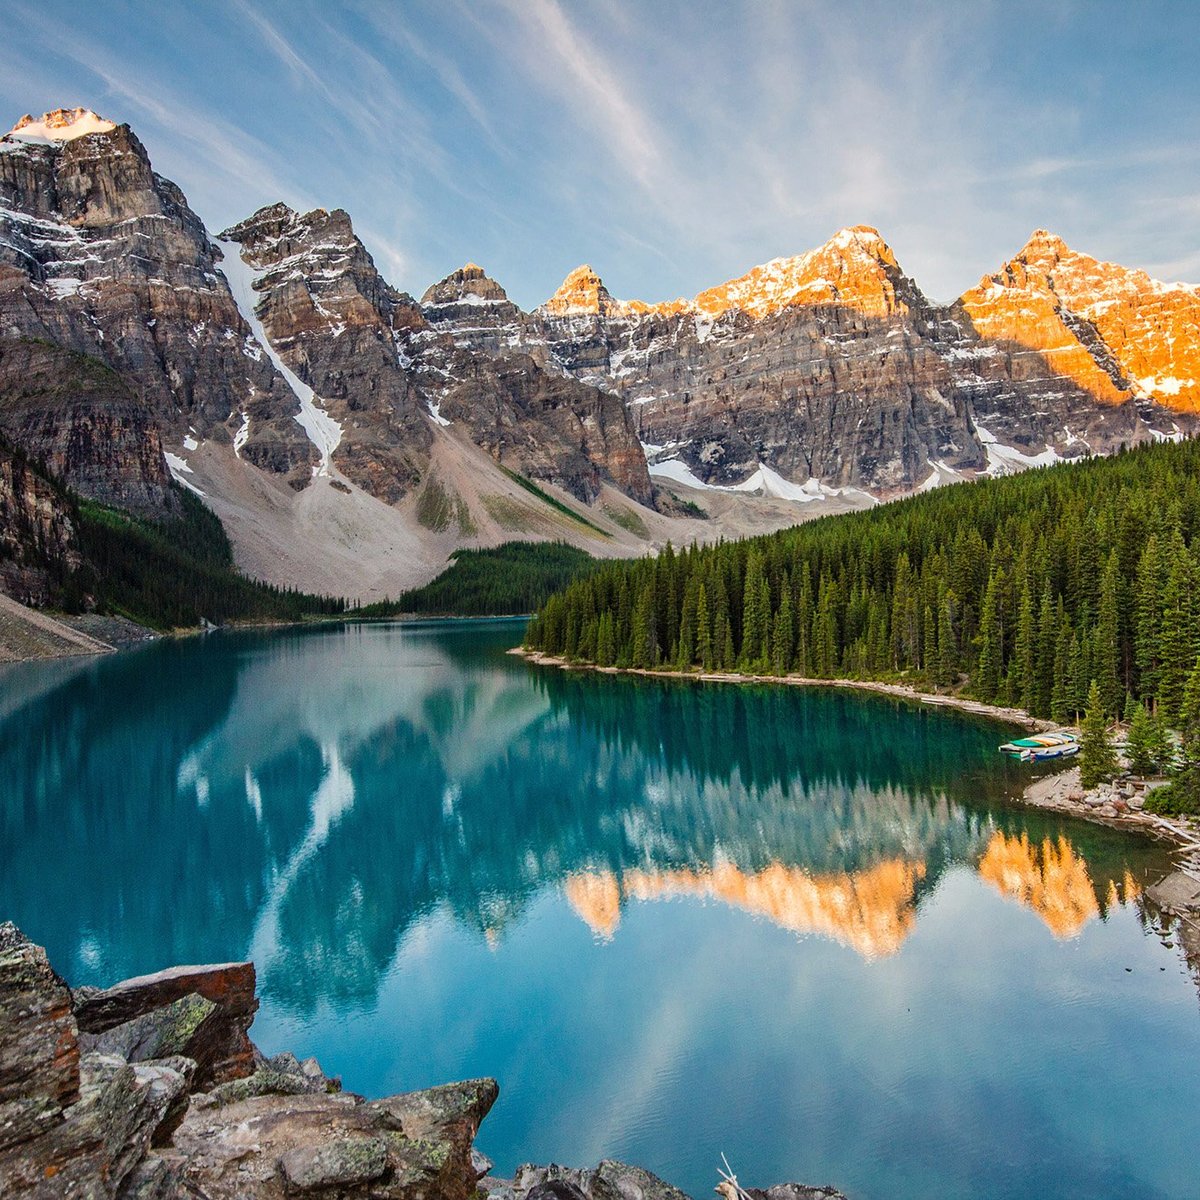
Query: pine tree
pixel 986 681
pixel 753 616
pixel 1106 651
pixel 1024 690
pixel 947 668
pixel 704 643
pixel 784 638
pixel 1148 588
pixel 1097 758
pixel 1139 742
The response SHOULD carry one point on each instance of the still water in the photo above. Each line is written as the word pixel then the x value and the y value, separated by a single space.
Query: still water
pixel 802 928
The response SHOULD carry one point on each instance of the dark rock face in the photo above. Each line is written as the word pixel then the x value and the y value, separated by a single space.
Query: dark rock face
pixel 474 309
pixel 76 416
pixel 382 368
pixel 481 367
pixel 546 426
pixel 101 256
pixel 37 532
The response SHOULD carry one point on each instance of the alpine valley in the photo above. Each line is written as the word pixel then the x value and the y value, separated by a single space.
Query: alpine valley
pixel 350 437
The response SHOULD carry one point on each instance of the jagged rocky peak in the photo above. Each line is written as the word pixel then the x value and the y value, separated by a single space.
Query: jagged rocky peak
pixel 1115 330
pixel 855 269
pixel 583 294
pixel 60 125
pixel 468 285
pixel 277 231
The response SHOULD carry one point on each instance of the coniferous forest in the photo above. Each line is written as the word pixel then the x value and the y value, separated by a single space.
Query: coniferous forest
pixel 514 577
pixel 1020 590
pixel 173 572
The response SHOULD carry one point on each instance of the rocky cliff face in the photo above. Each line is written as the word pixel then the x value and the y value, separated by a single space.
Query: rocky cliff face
pixel 482 367
pixel 37 534
pixel 328 315
pixel 76 415
pixel 1116 332
pixel 101 256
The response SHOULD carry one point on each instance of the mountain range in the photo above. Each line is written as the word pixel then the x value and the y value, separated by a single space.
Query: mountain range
pixel 350 437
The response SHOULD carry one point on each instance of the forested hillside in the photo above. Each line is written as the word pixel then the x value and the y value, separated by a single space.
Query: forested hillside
pixel 1018 590
pixel 171 573
pixel 514 577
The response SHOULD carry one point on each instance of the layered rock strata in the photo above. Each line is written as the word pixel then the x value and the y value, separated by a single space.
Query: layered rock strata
pixel 833 367
pixel 101 256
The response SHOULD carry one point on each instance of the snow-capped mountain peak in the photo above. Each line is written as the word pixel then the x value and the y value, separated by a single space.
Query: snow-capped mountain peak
pixel 59 125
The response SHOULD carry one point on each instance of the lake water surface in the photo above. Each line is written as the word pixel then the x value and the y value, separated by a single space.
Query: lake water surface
pixel 800 927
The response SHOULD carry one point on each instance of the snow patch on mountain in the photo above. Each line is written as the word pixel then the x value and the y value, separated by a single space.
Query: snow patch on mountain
pixel 60 125
pixel 1008 460
pixel 323 431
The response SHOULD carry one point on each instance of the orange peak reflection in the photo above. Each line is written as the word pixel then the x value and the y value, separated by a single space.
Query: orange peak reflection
pixel 1051 879
pixel 870 911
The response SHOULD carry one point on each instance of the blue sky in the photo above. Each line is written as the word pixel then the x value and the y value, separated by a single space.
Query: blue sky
pixel 670 145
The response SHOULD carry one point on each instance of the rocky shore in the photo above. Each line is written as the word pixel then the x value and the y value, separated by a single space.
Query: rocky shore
pixel 152 1090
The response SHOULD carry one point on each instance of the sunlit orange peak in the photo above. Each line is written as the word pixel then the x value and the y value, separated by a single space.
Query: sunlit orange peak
pixel 60 125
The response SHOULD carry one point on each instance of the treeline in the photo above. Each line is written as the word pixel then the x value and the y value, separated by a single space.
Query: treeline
pixel 1019 590
pixel 173 572
pixel 516 577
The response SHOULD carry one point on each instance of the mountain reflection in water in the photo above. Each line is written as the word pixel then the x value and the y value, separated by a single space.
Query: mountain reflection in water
pixel 306 798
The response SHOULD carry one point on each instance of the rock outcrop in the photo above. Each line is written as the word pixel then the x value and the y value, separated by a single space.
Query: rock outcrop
pixel 328 314
pixel 132 1093
pixel 76 416
pixel 38 543
pixel 151 1089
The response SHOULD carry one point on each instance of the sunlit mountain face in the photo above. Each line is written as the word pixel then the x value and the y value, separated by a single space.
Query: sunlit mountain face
pixel 607 892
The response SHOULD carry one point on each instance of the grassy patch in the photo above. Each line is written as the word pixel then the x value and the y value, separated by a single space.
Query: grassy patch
pixel 533 489
pixel 508 514
pixel 435 507
pixel 627 519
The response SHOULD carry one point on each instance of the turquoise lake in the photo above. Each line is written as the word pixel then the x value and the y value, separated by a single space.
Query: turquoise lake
pixel 807 929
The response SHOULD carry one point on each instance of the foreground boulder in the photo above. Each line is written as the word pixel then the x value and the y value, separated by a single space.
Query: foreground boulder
pixel 200 1012
pixel 152 1090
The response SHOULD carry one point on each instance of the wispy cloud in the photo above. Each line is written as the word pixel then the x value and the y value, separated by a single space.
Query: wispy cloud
pixel 672 145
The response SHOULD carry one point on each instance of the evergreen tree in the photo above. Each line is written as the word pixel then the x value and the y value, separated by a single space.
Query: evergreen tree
pixel 1106 648
pixel 784 632
pixel 1140 742
pixel 1097 758
pixel 704 642
pixel 986 680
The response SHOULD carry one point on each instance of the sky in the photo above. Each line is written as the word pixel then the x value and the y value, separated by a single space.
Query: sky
pixel 670 145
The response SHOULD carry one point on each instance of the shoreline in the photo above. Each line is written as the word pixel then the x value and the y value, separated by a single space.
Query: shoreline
pixel 902 691
pixel 1061 792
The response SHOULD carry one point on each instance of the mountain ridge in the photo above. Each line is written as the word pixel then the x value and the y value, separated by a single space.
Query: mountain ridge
pixel 326 414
